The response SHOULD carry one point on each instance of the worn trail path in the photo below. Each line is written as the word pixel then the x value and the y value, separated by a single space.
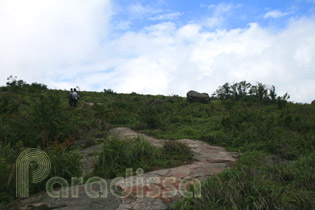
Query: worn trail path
pixel 208 160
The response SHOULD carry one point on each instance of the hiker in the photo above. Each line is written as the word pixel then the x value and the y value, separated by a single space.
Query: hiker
pixel 75 97
pixel 70 97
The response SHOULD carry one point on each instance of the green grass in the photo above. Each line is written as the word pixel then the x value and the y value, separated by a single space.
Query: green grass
pixel 253 185
pixel 64 163
pixel 252 128
pixel 118 155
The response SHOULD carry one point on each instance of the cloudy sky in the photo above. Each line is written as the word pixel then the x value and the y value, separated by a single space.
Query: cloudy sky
pixel 160 47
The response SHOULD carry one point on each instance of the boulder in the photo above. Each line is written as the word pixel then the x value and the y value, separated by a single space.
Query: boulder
pixel 194 96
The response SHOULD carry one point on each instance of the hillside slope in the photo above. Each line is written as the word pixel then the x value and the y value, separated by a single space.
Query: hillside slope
pixel 276 169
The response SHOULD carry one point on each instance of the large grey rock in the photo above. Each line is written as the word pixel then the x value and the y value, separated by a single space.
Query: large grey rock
pixel 194 96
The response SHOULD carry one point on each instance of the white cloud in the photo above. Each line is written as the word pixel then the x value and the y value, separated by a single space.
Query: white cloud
pixel 167 16
pixel 213 21
pixel 40 39
pixel 170 60
pixel 138 10
pixel 123 25
pixel 64 44
pixel 219 13
pixel 275 14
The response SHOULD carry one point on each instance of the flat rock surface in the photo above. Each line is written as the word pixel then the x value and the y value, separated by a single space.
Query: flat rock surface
pixel 152 190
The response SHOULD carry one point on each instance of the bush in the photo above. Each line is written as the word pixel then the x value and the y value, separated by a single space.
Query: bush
pixel 118 155
pixel 150 117
pixel 247 92
pixel 64 163
pixel 8 156
pixel 247 187
pixel 176 151
pixel 50 120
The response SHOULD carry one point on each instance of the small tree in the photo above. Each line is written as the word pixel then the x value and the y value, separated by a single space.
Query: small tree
pixel 246 91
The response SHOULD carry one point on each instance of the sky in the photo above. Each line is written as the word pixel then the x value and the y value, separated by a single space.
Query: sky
pixel 163 47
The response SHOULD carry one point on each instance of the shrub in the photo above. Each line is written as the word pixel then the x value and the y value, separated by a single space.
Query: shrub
pixel 176 151
pixel 64 163
pixel 49 119
pixel 150 117
pixel 118 155
pixel 8 155
pixel 247 92
pixel 247 187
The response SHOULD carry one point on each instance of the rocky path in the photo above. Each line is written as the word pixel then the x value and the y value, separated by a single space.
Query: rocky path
pixel 153 190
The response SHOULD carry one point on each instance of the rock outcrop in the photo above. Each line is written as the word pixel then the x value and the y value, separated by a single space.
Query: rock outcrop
pixel 194 96
pixel 141 193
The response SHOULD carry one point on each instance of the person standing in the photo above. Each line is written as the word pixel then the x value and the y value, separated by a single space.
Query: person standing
pixel 75 97
pixel 70 97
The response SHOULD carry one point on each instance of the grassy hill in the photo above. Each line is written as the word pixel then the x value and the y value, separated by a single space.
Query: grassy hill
pixel 276 138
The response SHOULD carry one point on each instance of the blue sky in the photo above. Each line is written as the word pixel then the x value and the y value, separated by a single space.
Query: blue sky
pixel 160 47
pixel 139 14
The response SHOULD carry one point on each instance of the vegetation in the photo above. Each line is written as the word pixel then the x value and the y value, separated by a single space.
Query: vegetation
pixel 247 92
pixel 64 163
pixel 253 185
pixel 117 156
pixel 250 119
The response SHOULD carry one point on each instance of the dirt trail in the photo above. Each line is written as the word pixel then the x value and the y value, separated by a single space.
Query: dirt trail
pixel 208 160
